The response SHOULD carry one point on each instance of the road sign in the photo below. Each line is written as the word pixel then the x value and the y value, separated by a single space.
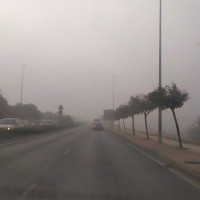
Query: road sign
pixel 60 107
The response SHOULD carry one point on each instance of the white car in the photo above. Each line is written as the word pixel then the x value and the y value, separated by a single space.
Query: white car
pixel 10 123
pixel 45 123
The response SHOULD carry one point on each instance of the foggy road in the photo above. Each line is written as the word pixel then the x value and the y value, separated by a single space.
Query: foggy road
pixel 83 164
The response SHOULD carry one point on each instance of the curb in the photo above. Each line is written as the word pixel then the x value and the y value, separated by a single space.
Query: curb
pixel 169 163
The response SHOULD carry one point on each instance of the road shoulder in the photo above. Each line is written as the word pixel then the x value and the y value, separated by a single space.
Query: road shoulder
pixel 172 158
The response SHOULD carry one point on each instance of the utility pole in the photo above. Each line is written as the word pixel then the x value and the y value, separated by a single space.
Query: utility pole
pixel 160 71
pixel 22 82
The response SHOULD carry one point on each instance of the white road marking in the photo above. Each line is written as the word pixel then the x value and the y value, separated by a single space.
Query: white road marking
pixel 27 192
pixel 186 178
pixel 176 172
pixel 162 164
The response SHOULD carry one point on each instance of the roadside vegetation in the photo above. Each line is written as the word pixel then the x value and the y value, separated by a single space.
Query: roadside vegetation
pixel 27 131
pixel 33 120
pixel 168 97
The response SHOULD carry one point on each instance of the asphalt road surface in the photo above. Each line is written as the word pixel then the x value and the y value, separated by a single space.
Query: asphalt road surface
pixel 83 164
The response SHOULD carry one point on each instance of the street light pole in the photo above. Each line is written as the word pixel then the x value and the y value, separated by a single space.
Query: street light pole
pixel 160 72
pixel 113 91
pixel 22 82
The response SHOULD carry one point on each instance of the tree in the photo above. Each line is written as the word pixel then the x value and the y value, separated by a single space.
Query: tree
pixel 170 97
pixel 117 117
pixel 158 97
pixel 3 107
pixel 109 115
pixel 25 111
pixel 66 120
pixel 147 106
pixel 134 109
pixel 176 99
pixel 123 110
pixel 50 116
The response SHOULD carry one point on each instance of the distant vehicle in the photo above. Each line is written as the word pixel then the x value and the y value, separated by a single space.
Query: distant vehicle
pixel 97 120
pixel 35 124
pixel 10 123
pixel 97 126
pixel 42 123
pixel 46 123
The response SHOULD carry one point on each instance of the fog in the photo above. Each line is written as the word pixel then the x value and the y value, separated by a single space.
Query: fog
pixel 72 48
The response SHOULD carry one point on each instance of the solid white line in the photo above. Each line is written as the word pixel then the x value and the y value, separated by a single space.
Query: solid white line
pixel 176 172
pixel 27 192
pixel 186 178
pixel 146 154
pixel 142 152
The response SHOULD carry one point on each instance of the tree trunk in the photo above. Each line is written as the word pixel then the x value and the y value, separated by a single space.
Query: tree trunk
pixel 133 125
pixel 119 125
pixel 124 125
pixel 177 128
pixel 145 117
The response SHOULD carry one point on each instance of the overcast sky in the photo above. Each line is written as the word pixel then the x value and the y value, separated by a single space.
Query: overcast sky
pixel 71 48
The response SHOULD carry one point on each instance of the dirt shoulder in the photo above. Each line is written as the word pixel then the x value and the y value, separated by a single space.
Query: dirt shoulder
pixel 184 159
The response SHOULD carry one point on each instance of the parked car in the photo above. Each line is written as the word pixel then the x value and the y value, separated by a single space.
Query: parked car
pixel 10 123
pixel 42 123
pixel 35 124
pixel 97 126
pixel 46 123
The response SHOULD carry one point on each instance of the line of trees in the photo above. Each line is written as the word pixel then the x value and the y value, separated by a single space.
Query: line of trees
pixel 29 112
pixel 168 97
pixel 21 111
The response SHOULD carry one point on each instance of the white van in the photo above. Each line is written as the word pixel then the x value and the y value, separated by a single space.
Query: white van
pixel 10 123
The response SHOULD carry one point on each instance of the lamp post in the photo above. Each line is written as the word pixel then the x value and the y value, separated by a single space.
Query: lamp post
pixel 160 71
pixel 113 91
pixel 22 82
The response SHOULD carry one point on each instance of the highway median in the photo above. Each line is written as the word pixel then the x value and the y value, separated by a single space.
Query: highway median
pixel 11 134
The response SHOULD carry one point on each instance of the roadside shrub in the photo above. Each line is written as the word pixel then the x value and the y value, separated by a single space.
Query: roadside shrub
pixel 15 133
